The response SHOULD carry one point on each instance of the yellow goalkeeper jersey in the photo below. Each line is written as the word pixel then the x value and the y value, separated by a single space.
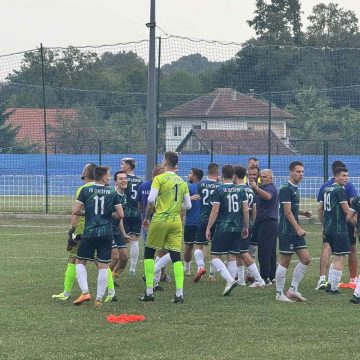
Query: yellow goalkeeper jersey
pixel 81 224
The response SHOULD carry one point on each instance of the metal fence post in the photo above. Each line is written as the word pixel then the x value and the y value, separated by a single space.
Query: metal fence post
pixel 100 152
pixel 212 151
pixel 326 160
pixel 45 131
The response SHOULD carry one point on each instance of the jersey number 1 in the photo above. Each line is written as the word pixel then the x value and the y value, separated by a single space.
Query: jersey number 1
pixel 102 202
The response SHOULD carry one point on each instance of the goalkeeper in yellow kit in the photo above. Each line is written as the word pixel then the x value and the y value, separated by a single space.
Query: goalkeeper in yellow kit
pixel 169 195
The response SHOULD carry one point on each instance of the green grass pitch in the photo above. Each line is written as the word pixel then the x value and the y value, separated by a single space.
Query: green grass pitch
pixel 248 324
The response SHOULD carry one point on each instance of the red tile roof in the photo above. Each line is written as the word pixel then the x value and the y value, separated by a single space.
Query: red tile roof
pixel 31 121
pixel 242 142
pixel 226 102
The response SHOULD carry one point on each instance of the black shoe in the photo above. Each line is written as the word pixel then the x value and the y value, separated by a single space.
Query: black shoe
pixel 143 278
pixel 158 288
pixel 333 292
pixel 355 300
pixel 328 288
pixel 178 300
pixel 146 298
pixel 116 284
pixel 268 282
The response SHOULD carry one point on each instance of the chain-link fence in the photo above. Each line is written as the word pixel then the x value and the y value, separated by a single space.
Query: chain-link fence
pixel 64 107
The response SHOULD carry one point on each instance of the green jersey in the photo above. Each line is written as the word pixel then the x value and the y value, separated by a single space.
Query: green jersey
pixel 288 194
pixel 99 202
pixel 231 198
pixel 116 222
pixel 131 194
pixel 81 224
pixel 334 217
pixel 355 206
pixel 206 190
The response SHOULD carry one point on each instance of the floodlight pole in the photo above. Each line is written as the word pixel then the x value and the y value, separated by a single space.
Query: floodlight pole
pixel 151 148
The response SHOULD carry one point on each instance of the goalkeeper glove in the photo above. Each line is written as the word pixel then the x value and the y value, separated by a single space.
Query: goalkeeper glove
pixel 73 239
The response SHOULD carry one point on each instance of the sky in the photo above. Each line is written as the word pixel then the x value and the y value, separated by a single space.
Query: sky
pixel 27 23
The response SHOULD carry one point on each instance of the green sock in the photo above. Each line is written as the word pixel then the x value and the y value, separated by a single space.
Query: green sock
pixel 70 276
pixel 149 267
pixel 179 274
pixel 111 285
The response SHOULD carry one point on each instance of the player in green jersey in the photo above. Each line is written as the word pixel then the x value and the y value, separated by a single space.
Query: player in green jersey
pixel 74 237
pixel 99 201
pixel 231 214
pixel 291 236
pixel 333 210
pixel 169 195
pixel 353 217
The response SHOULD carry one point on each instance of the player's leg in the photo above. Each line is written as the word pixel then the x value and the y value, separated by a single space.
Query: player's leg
pixel 240 270
pixel 280 275
pixel 189 245
pixel 352 260
pixel 299 271
pixel 253 270
pixel 200 261
pixel 162 260
pixel 324 264
pixel 69 279
pixel 200 244
pixel 133 228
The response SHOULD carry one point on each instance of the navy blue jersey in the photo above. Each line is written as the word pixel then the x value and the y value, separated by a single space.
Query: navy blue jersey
pixel 131 192
pixel 99 202
pixel 116 222
pixel 206 189
pixel 250 196
pixel 193 215
pixel 142 195
pixel 231 198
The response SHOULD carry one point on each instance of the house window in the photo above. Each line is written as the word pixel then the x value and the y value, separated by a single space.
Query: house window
pixel 196 127
pixel 177 131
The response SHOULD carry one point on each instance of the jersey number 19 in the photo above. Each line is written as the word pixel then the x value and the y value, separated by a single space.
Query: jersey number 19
pixel 327 203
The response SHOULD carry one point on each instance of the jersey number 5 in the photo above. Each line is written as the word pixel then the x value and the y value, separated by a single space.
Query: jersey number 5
pixel 102 202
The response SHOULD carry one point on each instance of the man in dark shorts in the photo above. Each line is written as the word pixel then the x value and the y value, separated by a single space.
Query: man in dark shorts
pixel 230 211
pixel 333 211
pixel 98 201
pixel 291 236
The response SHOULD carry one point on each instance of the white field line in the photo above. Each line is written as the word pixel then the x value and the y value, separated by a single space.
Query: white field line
pixel 41 233
pixel 33 226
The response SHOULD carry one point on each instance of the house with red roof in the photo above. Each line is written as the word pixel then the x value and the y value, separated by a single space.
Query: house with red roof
pixel 223 109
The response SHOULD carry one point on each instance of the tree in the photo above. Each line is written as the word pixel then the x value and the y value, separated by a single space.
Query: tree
pixel 278 22
pixel 333 26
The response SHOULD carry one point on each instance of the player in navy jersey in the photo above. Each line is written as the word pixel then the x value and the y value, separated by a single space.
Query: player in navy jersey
pixel 291 236
pixel 350 192
pixel 231 214
pixel 333 210
pixel 206 189
pixel 132 222
pixel 98 201
pixel 244 257
pixel 191 222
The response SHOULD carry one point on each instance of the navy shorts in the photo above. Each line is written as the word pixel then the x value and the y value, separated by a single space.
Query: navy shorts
pixel 200 236
pixel 132 225
pixel 340 244
pixel 351 230
pixel 118 242
pixel 226 243
pixel 102 246
pixel 189 234
pixel 289 243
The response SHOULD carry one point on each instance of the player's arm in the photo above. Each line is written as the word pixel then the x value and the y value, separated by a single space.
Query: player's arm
pixel 245 211
pixel 351 216
pixel 150 208
pixel 253 213
pixel 77 210
pixel 320 211
pixel 305 213
pixel 212 218
pixel 262 193
pixel 186 205
pixel 123 232
pixel 291 219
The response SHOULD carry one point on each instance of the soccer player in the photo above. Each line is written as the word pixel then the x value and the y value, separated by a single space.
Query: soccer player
pixel 132 222
pixel 333 210
pixel 244 257
pixel 291 236
pixel 75 234
pixel 169 194
pixel 353 216
pixel 231 214
pixel 350 192
pixel 191 223
pixel 119 254
pixel 98 200
pixel 206 190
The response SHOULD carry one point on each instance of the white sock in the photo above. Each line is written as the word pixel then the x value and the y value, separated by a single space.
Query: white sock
pixel 111 292
pixel 232 268
pixel 149 290
pixel 134 254
pixel 157 258
pixel 161 263
pixel 81 276
pixel 101 284
pixel 336 279
pixel 187 265
pixel 330 275
pixel 179 292
pixel 241 274
pixel 254 272
pixel 322 278
pixel 280 278
pixel 199 258
pixel 357 290
pixel 212 270
pixel 299 272
pixel 220 266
